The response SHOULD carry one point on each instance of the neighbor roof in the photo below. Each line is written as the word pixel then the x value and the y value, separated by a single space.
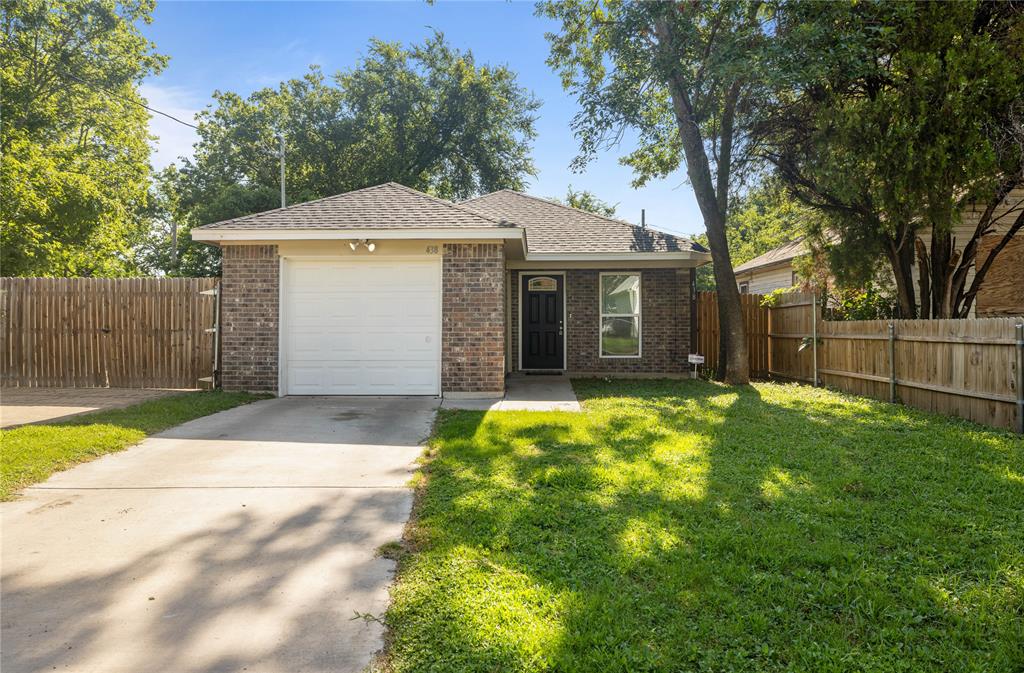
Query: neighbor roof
pixel 784 253
pixel 386 206
pixel 554 228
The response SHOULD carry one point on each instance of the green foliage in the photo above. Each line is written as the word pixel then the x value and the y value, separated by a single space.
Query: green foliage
pixel 588 201
pixel 34 452
pixel 772 298
pixel 75 169
pixel 688 526
pixel 760 220
pixel 868 303
pixel 426 116
pixel 895 117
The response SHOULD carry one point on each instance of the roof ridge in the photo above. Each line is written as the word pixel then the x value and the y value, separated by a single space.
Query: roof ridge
pixel 390 183
pixel 296 205
pixel 751 265
pixel 585 212
pixel 446 202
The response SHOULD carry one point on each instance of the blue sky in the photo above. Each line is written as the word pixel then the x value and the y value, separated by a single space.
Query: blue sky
pixel 244 46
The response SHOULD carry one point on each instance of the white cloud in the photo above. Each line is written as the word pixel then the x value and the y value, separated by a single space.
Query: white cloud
pixel 174 140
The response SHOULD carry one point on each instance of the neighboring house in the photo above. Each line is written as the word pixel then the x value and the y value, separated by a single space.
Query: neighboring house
pixel 1002 293
pixel 389 291
pixel 772 270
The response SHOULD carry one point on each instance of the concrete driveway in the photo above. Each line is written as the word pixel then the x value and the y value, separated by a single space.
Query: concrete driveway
pixel 241 541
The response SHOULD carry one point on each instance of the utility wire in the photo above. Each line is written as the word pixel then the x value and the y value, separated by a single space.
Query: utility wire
pixel 280 153
pixel 102 88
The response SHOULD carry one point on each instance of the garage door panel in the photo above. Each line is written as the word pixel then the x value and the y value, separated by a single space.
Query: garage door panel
pixel 410 346
pixel 362 327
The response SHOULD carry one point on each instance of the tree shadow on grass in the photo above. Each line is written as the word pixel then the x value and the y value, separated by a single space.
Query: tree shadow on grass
pixel 684 526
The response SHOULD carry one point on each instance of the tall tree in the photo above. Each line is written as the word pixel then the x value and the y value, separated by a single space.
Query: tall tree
pixel 75 169
pixel 686 77
pixel 426 116
pixel 897 117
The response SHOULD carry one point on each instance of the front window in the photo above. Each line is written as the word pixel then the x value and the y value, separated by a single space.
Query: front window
pixel 620 315
pixel 744 288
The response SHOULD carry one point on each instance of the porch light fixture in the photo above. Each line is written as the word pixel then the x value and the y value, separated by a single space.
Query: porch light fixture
pixel 370 245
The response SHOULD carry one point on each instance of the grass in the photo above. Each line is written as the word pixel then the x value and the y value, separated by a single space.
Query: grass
pixel 31 453
pixel 688 526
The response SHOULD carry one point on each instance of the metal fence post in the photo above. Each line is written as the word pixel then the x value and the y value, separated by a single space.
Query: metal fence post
pixel 814 334
pixel 892 362
pixel 1020 378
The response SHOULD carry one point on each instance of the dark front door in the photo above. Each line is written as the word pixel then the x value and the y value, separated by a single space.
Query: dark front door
pixel 543 298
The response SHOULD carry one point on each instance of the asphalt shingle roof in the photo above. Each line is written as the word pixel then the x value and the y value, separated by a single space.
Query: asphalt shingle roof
pixel 554 228
pixel 783 253
pixel 387 206
pixel 550 227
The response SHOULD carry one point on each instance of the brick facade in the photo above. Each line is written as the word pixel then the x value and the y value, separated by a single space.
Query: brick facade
pixel 664 323
pixel 473 318
pixel 249 317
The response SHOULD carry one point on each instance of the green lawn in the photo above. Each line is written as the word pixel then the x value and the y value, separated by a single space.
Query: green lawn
pixel 687 526
pixel 31 453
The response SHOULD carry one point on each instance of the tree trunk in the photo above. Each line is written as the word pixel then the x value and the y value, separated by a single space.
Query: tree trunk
pixel 733 362
pixel 941 251
pixel 959 300
pixel 901 258
pixel 924 277
pixel 982 271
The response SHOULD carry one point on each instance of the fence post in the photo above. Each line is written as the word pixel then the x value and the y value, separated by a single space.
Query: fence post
pixel 1020 378
pixel 814 334
pixel 892 362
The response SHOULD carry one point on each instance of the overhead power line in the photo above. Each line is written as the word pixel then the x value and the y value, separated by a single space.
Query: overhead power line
pixel 102 88
pixel 280 153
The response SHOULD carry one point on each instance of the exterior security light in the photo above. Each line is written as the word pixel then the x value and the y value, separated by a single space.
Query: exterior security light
pixel 370 247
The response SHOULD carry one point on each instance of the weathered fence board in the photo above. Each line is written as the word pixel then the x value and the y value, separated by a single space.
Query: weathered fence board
pixel 755 318
pixel 99 332
pixel 967 368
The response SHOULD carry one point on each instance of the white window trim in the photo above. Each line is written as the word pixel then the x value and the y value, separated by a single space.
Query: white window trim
pixel 601 315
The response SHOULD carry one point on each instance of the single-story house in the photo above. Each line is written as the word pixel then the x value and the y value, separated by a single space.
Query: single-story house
pixel 390 291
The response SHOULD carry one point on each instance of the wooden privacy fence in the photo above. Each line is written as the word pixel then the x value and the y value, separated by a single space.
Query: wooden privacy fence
pixel 99 332
pixel 968 368
pixel 755 318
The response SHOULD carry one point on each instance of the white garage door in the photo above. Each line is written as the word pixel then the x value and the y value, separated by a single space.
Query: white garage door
pixel 362 327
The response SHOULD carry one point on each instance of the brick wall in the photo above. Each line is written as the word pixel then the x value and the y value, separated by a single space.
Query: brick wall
pixel 473 318
pixel 249 317
pixel 664 323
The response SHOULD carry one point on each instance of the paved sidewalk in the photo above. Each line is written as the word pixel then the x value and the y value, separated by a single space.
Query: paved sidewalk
pixel 19 406
pixel 526 393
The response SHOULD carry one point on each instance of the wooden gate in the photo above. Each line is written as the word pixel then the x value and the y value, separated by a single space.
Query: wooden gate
pixel 100 332
pixel 755 318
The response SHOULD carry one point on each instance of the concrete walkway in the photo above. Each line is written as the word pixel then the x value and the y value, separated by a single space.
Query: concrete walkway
pixel 19 406
pixel 526 393
pixel 241 541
